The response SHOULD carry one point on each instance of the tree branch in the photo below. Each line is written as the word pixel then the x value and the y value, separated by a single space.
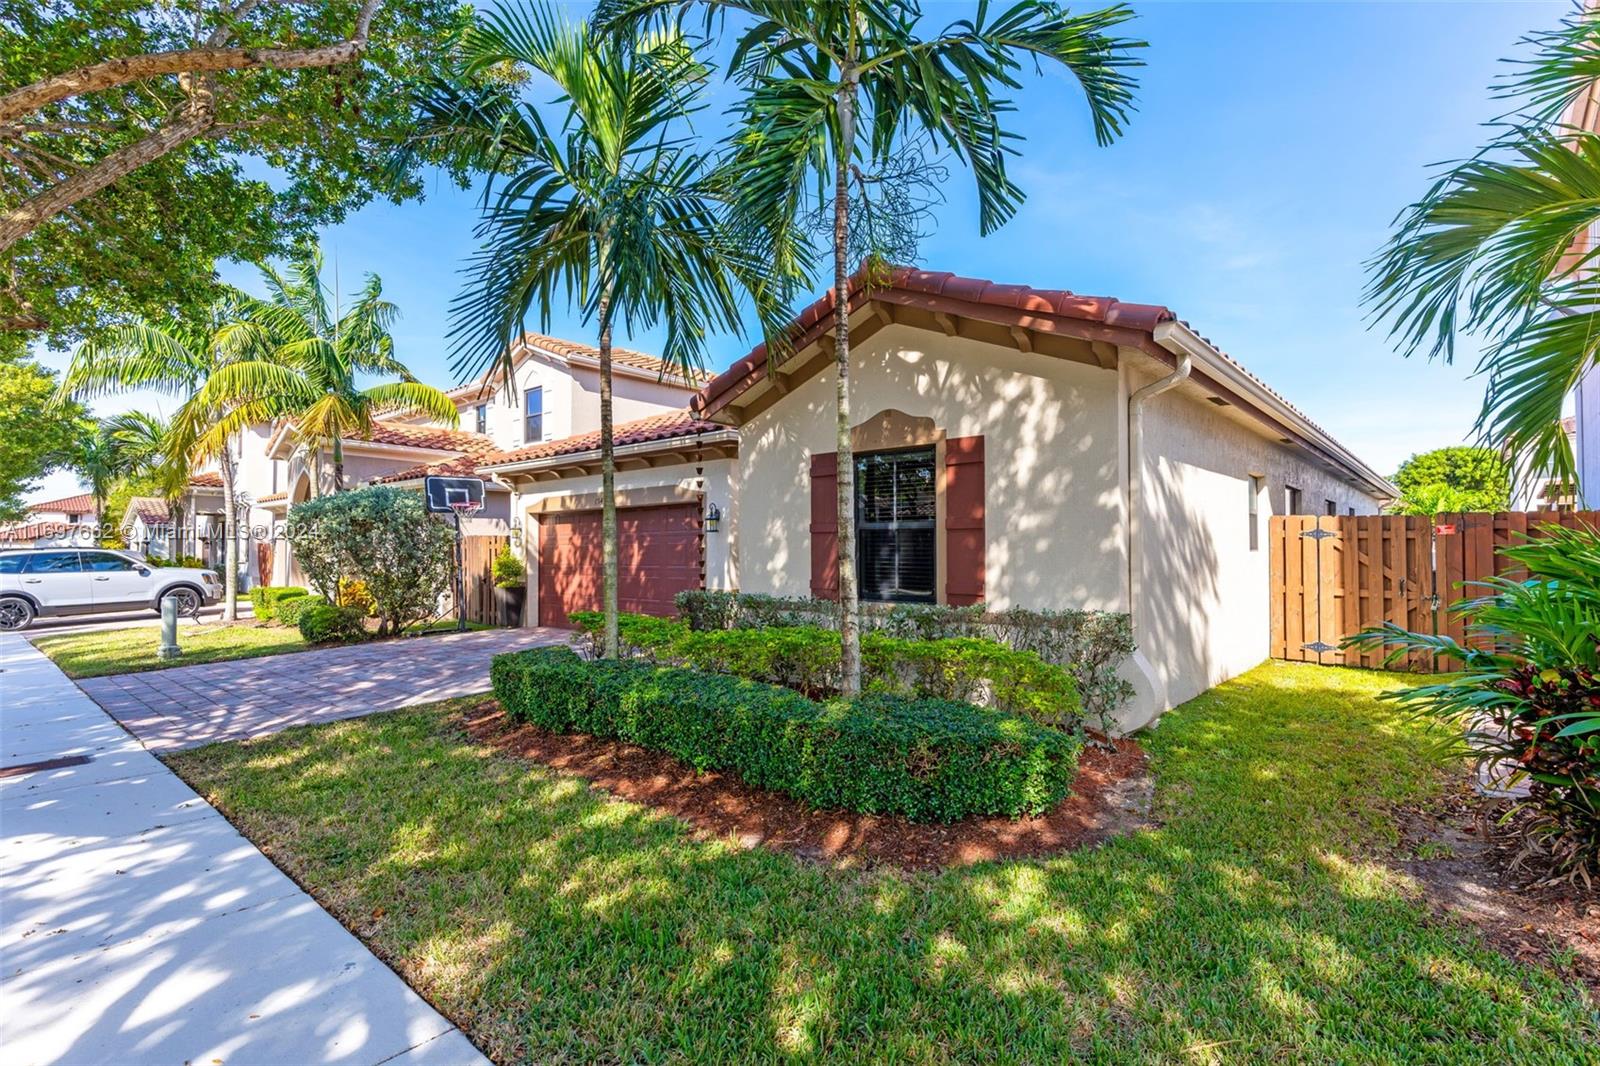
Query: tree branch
pixel 205 60
pixel 23 220
pixel 196 118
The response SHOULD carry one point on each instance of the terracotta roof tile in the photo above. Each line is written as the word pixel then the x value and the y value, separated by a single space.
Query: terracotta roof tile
pixel 35 530
pixel 209 480
pixel 273 497
pixel 667 426
pixel 151 511
pixel 460 466
pixel 565 349
pixel 82 504
pixel 404 434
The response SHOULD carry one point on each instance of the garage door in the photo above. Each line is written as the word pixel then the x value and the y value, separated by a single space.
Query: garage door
pixel 659 554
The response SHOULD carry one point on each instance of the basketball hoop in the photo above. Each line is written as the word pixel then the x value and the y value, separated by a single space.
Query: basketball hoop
pixel 460 497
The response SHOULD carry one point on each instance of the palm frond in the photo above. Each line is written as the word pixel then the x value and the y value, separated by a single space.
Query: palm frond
pixel 137 355
pixel 410 398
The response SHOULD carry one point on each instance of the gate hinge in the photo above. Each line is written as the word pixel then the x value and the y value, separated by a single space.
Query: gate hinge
pixel 1319 534
pixel 1320 647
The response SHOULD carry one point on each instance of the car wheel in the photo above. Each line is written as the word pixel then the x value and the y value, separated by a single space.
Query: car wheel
pixel 188 601
pixel 15 614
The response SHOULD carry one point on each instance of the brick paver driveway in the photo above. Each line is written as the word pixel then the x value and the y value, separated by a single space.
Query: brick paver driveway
pixel 185 706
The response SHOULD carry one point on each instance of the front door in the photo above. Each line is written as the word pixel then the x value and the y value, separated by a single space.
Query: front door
pixel 57 580
pixel 115 580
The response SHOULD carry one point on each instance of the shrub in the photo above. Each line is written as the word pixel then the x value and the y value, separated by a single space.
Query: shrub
pixel 807 659
pixel 509 571
pixel 192 562
pixel 1526 703
pixel 639 636
pixel 288 611
pixel 928 760
pixel 264 600
pixel 973 670
pixel 383 537
pixel 1090 645
pixel 329 623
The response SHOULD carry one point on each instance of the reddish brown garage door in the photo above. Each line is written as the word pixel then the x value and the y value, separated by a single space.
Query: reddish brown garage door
pixel 658 555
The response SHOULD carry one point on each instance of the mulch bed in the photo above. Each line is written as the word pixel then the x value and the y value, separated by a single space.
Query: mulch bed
pixel 1110 797
pixel 1462 860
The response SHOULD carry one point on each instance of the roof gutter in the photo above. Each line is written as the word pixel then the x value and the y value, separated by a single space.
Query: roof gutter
pixel 1176 336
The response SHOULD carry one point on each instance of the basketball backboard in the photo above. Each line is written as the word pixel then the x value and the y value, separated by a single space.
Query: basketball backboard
pixel 447 495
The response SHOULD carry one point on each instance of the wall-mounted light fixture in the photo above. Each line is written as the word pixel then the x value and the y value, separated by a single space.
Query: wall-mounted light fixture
pixel 516 530
pixel 713 517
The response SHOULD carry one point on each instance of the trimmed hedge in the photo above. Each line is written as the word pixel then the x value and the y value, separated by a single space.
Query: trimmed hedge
pixel 289 609
pixel 264 600
pixel 928 760
pixel 807 659
pixel 329 623
pixel 1091 645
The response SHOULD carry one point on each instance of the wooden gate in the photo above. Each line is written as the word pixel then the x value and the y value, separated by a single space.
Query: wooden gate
pixel 477 569
pixel 1333 576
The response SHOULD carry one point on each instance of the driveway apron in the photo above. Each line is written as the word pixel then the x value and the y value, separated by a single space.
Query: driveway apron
pixel 138 926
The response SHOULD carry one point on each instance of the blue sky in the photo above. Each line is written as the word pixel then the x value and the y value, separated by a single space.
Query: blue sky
pixel 1273 145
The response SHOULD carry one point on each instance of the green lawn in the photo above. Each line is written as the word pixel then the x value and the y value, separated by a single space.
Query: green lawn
pixel 122 651
pixel 553 923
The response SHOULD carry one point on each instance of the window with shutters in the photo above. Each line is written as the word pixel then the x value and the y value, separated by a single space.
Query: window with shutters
pixel 895 526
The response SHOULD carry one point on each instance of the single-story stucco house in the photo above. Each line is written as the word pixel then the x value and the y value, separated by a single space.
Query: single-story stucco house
pixel 1013 446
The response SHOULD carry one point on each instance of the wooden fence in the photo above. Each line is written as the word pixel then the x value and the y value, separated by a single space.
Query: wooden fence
pixel 477 566
pixel 1333 576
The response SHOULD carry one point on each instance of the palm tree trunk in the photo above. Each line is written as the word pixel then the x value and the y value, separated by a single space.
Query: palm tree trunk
pixel 338 464
pixel 608 487
pixel 849 606
pixel 230 536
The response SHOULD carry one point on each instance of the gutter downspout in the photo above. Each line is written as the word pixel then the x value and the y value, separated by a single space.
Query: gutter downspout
pixel 1138 670
pixel 1136 402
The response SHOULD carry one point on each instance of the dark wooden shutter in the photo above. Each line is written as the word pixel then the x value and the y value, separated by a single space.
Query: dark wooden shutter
pixel 963 521
pixel 825 526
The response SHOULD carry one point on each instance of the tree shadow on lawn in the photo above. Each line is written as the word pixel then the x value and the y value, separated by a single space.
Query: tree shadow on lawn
pixel 549 921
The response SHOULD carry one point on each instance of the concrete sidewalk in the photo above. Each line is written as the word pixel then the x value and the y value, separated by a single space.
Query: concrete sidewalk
pixel 137 926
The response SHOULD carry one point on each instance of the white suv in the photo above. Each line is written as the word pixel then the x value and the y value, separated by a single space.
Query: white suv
pixel 57 581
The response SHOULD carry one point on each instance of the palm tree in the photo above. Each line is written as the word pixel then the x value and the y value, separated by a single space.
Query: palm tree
pixel 838 87
pixel 97 461
pixel 156 449
pixel 177 358
pixel 297 356
pixel 615 214
pixel 1503 246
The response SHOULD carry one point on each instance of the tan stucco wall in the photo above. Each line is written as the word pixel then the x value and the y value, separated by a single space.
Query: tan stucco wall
pixel 631 398
pixel 1203 611
pixel 1053 497
pixel 570 401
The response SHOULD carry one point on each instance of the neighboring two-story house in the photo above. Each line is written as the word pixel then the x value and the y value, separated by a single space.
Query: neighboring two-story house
pixel 554 392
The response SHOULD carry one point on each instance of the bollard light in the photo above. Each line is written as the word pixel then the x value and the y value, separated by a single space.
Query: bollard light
pixel 169 630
